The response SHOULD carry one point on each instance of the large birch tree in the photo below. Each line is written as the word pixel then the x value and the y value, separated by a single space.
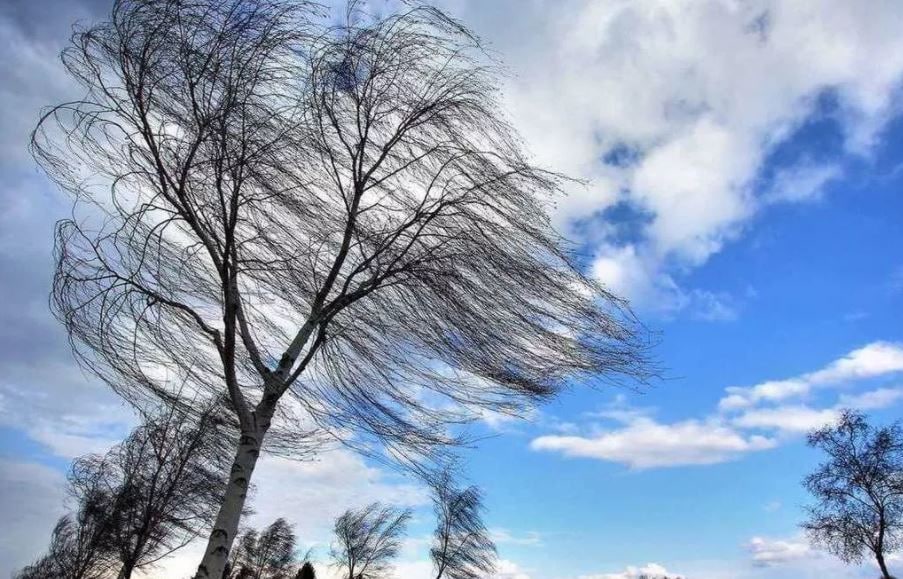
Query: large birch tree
pixel 331 227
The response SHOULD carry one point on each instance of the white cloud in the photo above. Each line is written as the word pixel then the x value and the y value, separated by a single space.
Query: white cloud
pixel 505 569
pixel 792 419
pixel 623 270
pixel 411 570
pixel 746 421
pixel 650 571
pixel 696 95
pixel 873 399
pixel 766 552
pixel 312 494
pixel 645 443
pixel 801 183
pixel 632 270
pixel 874 359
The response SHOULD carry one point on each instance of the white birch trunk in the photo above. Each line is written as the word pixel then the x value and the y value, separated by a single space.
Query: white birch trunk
pixel 226 526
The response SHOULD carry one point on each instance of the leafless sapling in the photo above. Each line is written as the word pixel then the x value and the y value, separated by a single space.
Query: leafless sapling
pixel 333 226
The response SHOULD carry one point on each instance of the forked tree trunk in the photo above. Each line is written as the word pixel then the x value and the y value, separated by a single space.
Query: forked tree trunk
pixel 226 526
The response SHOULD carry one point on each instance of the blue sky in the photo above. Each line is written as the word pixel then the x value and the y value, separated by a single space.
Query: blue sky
pixel 744 163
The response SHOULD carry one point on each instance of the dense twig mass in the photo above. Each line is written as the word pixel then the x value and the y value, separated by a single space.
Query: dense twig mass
pixel 269 554
pixel 333 228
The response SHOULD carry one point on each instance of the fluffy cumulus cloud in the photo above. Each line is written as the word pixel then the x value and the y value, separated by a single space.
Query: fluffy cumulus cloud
pixel 748 419
pixel 651 101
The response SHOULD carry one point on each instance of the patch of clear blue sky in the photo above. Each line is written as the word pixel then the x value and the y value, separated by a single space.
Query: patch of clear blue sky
pixel 815 280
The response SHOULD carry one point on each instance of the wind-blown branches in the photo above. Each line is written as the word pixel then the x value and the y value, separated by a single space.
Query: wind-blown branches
pixel 368 539
pixel 79 548
pixel 269 554
pixel 462 548
pixel 142 500
pixel 165 481
pixel 332 229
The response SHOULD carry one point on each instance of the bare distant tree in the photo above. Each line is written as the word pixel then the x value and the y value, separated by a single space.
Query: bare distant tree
pixel 320 223
pixel 269 554
pixel 80 546
pixel 858 490
pixel 164 482
pixel 462 548
pixel 368 539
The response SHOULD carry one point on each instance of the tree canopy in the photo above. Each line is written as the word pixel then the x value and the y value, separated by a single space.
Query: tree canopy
pixel 331 228
pixel 858 490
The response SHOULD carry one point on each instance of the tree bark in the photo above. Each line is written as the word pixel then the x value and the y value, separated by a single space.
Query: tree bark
pixel 126 571
pixel 226 526
pixel 885 574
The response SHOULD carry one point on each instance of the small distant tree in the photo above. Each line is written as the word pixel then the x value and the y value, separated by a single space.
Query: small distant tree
pixel 858 490
pixel 269 554
pixel 80 546
pixel 368 539
pixel 163 483
pixel 462 548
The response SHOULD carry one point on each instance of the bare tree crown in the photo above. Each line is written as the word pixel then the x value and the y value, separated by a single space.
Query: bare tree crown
pixel 328 228
pixel 368 539
pixel 858 490
pixel 347 205
pixel 462 547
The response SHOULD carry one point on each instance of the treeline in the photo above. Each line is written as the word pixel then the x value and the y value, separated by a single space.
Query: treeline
pixel 144 499
pixel 159 489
